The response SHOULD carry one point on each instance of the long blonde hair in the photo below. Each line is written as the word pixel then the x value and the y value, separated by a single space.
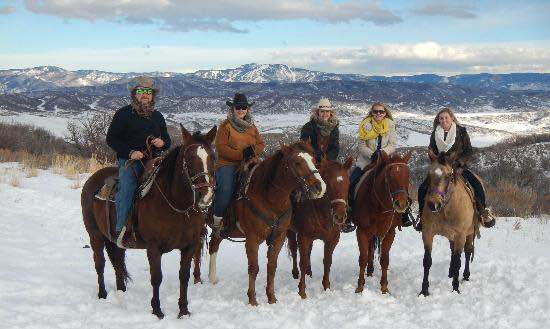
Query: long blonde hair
pixel 444 110
pixel 387 109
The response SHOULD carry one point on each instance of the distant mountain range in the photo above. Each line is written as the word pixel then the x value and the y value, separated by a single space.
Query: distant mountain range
pixel 276 88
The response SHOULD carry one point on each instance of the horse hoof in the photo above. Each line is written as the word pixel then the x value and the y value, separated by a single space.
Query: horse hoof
pixel 359 290
pixel 385 291
pixel 197 281
pixel 214 281
pixel 457 291
pixel 102 295
pixel 303 295
pixel 295 275
pixel 159 314
pixel 466 278
pixel 252 302
pixel 326 287
pixel 184 312
pixel 272 300
pixel 424 293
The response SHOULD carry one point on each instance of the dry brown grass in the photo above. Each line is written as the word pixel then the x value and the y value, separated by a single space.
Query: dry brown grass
pixel 508 199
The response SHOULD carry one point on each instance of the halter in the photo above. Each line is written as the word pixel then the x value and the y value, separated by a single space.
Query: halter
pixel 302 180
pixel 333 214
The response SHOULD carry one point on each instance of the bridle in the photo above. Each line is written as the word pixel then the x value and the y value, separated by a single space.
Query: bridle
pixel 302 180
pixel 194 186
pixel 391 193
pixel 445 195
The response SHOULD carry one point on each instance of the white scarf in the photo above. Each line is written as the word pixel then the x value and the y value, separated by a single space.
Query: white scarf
pixel 443 145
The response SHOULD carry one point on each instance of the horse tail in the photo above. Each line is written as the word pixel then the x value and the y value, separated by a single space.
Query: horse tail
pixel 117 256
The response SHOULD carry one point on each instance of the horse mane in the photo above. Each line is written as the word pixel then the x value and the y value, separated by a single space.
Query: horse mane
pixel 268 168
pixel 441 158
pixel 168 164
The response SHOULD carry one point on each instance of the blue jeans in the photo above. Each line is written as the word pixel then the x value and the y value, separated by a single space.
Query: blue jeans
pixel 354 177
pixel 225 186
pixel 127 185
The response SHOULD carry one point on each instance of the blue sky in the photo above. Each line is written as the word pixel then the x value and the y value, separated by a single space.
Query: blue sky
pixel 351 36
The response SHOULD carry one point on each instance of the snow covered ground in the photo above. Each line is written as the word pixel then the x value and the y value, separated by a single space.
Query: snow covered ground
pixel 47 278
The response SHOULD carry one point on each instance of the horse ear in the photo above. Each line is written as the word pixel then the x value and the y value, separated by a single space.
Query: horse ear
pixel 432 155
pixel 348 163
pixel 407 156
pixel 185 135
pixel 384 156
pixel 211 134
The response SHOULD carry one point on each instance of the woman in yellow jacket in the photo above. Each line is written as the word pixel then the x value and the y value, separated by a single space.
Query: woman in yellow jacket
pixel 376 134
pixel 237 140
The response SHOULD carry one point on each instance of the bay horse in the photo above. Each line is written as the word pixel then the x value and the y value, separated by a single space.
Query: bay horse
pixel 264 212
pixel 169 217
pixel 380 201
pixel 448 211
pixel 320 219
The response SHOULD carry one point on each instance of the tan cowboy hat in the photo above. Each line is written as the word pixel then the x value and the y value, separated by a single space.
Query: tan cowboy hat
pixel 141 81
pixel 325 105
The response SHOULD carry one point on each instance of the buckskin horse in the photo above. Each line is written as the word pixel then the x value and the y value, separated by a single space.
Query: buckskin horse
pixel 263 213
pixel 319 219
pixel 382 196
pixel 169 217
pixel 448 211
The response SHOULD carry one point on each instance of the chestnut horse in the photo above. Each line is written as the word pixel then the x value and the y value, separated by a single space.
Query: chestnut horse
pixel 381 199
pixel 448 211
pixel 169 217
pixel 264 212
pixel 320 219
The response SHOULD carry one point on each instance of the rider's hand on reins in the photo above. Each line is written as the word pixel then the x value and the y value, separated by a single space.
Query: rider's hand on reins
pixel 157 142
pixel 136 155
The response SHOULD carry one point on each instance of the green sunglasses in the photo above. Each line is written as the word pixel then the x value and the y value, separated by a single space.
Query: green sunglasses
pixel 140 91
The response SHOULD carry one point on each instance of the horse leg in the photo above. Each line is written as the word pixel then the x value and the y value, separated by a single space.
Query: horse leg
pixel 451 247
pixel 455 260
pixel 198 256
pixel 468 250
pixel 327 260
pixel 363 241
pixel 154 256
pixel 385 260
pixel 304 243
pixel 370 262
pixel 293 248
pixel 272 257
pixel 251 246
pixel 117 257
pixel 97 243
pixel 185 268
pixel 213 247
pixel 427 238
pixel 308 268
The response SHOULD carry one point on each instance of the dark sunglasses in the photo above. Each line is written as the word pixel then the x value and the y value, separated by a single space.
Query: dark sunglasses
pixel 242 108
pixel 378 112
pixel 140 91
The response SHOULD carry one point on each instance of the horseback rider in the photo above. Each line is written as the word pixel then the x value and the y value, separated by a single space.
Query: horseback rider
pixel 131 128
pixel 376 134
pixel 237 141
pixel 322 131
pixel 450 137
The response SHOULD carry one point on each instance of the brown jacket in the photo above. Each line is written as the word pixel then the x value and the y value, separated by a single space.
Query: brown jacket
pixel 230 144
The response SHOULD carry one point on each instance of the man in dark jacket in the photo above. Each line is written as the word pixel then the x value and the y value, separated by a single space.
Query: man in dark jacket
pixel 132 127
pixel 322 131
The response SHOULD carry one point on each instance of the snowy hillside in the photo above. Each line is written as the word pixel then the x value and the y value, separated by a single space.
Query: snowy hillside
pixel 47 278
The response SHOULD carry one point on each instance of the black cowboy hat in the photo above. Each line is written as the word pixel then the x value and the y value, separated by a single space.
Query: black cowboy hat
pixel 239 100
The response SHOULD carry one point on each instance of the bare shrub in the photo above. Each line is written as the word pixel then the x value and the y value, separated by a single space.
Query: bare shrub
pixel 87 135
pixel 14 177
pixel 509 199
pixel 16 136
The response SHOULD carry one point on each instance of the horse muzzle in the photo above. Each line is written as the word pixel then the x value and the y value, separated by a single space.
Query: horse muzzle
pixel 434 206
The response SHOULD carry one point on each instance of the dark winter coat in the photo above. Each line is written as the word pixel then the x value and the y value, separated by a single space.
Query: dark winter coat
pixel 128 131
pixel 461 146
pixel 311 132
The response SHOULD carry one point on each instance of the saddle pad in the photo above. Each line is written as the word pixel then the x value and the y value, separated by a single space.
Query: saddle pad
pixel 147 182
pixel 108 190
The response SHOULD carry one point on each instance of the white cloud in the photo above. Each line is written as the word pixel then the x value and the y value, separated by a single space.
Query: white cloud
pixel 216 15
pixel 383 59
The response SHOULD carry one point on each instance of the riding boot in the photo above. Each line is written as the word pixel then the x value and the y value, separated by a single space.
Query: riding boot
pixel 486 218
pixel 217 225
pixel 406 218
